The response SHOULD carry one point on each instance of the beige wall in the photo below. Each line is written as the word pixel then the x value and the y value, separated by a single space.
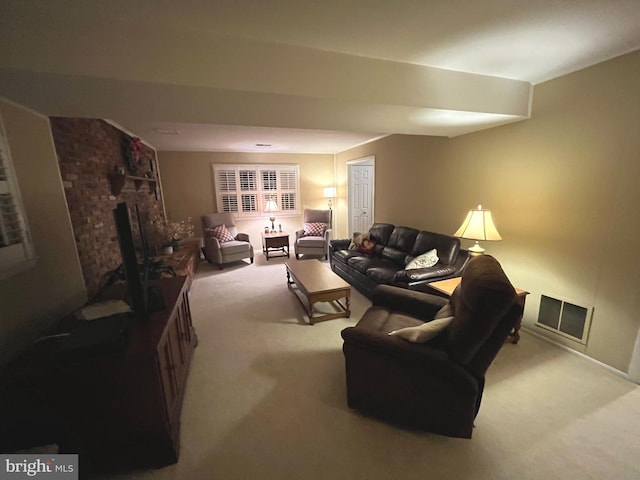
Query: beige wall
pixel 187 185
pixel 562 187
pixel 33 300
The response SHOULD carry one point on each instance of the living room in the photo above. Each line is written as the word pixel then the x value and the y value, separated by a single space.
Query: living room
pixel 561 185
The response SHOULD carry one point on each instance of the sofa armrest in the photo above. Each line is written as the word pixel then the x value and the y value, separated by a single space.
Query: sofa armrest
pixel 417 304
pixel 421 274
pixel 212 249
pixel 339 244
pixel 242 237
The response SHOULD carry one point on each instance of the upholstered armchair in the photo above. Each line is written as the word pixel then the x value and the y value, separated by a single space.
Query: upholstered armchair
pixel 313 238
pixel 437 385
pixel 222 242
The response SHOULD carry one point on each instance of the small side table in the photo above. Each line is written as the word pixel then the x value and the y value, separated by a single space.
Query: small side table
pixel 446 287
pixel 275 242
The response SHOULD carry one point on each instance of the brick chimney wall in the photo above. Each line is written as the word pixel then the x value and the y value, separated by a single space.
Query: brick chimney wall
pixel 88 151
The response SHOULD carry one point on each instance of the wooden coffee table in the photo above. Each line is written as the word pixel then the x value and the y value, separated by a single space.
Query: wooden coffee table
pixel 315 283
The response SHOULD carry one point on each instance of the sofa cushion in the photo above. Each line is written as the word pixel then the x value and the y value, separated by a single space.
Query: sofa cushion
pixel 220 232
pixel 399 245
pixel 362 263
pixel 425 260
pixel 403 238
pixel 384 320
pixel 380 232
pixel 344 255
pixel 446 246
pixel 315 229
pixel 424 332
pixel 311 242
pixel 234 246
pixel 394 255
pixel 382 272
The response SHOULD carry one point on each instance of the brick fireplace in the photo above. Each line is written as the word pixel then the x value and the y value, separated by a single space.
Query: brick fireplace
pixel 91 154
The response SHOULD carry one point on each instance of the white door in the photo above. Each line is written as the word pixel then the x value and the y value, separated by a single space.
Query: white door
pixel 360 198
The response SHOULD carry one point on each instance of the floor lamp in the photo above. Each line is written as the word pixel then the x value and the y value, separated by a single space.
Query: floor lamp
pixel 329 193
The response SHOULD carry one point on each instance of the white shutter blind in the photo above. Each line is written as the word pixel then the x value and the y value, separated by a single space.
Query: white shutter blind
pixel 244 189
pixel 16 250
pixel 226 180
pixel 288 189
pixel 248 180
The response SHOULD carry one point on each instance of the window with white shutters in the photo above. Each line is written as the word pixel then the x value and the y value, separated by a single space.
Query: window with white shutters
pixel 16 250
pixel 245 189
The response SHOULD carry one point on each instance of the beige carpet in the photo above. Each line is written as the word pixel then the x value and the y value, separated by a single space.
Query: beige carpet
pixel 266 400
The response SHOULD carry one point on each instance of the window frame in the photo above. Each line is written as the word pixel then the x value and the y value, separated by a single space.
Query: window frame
pixel 17 253
pixel 244 189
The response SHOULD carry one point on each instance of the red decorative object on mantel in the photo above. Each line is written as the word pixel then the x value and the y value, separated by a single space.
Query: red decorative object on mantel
pixel 136 149
pixel 132 151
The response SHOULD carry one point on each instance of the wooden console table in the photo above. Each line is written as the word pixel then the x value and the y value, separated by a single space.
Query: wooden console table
pixel 446 287
pixel 117 406
pixel 185 259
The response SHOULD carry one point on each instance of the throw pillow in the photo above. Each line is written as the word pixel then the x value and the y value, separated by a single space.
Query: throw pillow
pixel 367 246
pixel 424 332
pixel 357 240
pixel 425 260
pixel 220 232
pixel 315 229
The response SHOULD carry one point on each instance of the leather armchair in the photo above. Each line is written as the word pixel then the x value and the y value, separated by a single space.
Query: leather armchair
pixel 219 252
pixel 435 386
pixel 314 244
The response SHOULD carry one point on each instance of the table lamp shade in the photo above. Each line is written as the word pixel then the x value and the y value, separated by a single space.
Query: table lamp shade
pixel 270 207
pixel 478 226
pixel 329 192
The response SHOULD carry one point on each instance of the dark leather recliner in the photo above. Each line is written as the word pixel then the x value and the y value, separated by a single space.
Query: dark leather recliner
pixel 435 386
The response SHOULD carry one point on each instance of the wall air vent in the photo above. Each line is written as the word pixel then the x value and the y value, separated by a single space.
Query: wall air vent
pixel 565 318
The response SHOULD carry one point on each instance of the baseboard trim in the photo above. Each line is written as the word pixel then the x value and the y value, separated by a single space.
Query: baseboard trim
pixel 613 370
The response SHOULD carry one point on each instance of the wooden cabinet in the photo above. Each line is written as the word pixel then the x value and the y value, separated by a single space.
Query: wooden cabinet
pixel 174 355
pixel 130 414
pixel 117 402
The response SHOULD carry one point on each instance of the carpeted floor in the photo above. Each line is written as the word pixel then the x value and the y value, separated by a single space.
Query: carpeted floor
pixel 266 400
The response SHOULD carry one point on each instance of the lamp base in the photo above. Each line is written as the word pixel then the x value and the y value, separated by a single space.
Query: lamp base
pixel 273 226
pixel 477 249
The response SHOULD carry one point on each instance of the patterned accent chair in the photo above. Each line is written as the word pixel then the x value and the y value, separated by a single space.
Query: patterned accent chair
pixel 222 252
pixel 311 242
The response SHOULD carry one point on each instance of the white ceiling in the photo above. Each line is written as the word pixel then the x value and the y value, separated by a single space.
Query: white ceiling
pixel 301 76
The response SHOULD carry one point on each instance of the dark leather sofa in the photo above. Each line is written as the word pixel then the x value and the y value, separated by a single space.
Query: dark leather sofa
pixel 435 386
pixel 395 248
